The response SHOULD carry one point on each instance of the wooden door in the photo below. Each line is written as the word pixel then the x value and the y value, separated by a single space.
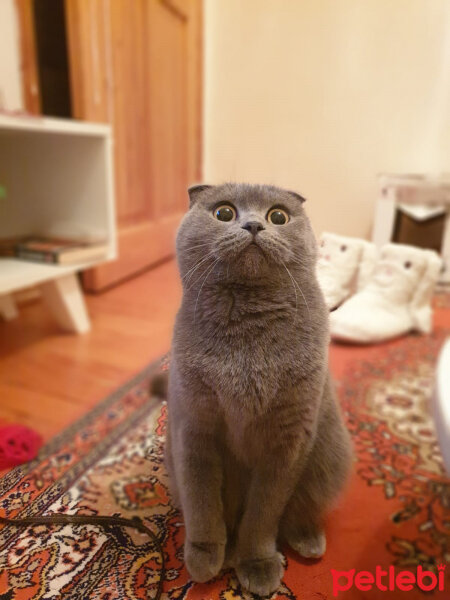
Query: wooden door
pixel 137 65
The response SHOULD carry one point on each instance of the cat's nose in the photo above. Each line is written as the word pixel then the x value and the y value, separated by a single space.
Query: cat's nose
pixel 253 227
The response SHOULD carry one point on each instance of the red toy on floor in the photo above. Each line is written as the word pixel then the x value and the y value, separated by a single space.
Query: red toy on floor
pixel 18 444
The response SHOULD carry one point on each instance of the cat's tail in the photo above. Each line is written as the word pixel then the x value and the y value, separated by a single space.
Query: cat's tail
pixel 159 385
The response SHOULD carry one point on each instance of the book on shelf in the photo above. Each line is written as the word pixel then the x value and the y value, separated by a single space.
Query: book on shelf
pixel 7 247
pixel 59 251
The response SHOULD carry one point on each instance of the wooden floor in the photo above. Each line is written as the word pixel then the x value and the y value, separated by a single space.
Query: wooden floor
pixel 49 378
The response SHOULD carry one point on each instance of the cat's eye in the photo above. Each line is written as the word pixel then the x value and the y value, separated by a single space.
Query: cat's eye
pixel 343 248
pixel 277 216
pixel 407 264
pixel 225 212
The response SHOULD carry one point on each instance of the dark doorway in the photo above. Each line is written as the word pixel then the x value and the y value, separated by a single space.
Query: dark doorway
pixel 52 57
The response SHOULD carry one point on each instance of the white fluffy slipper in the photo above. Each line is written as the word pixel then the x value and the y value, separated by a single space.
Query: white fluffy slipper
pixel 397 298
pixel 344 266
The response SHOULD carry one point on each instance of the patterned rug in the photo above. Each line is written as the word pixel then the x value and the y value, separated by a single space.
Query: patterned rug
pixel 395 512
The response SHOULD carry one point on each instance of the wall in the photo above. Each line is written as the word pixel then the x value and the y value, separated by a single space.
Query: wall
pixel 320 96
pixel 10 79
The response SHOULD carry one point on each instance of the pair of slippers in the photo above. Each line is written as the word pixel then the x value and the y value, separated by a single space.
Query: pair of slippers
pixel 376 295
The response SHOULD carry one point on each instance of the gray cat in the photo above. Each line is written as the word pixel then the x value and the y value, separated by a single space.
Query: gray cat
pixel 256 448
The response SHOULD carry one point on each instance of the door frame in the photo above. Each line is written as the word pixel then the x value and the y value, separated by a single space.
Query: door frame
pixel 28 57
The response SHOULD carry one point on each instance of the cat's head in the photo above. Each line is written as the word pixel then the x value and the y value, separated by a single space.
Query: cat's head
pixel 244 231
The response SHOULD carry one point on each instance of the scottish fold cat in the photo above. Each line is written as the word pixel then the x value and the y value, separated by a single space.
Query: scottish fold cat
pixel 256 447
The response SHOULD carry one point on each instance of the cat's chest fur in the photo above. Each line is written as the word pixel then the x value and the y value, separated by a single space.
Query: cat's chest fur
pixel 248 345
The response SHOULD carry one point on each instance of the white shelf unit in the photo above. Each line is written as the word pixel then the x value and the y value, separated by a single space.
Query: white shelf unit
pixel 58 180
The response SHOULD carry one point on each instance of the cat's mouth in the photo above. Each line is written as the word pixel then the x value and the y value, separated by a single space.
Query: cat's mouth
pixel 253 252
pixel 252 246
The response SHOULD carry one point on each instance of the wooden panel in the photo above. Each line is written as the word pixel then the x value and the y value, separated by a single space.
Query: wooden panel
pixel 138 65
pixel 30 80
pixel 130 120
pixel 88 46
pixel 168 91
pixel 194 100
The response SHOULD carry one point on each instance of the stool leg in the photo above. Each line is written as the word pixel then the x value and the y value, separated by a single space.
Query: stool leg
pixel 64 298
pixel 8 308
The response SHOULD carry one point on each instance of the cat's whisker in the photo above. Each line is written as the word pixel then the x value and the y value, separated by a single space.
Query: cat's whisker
pixel 303 296
pixel 195 267
pixel 283 244
pixel 300 290
pixel 197 246
pixel 295 291
pixel 230 244
pixel 204 281
pixel 197 279
pixel 297 262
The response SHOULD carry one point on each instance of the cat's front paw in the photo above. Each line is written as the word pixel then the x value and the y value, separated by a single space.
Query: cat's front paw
pixel 261 576
pixel 203 560
pixel 309 545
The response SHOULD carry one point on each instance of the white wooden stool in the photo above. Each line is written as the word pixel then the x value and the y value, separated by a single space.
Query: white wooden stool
pixel 419 197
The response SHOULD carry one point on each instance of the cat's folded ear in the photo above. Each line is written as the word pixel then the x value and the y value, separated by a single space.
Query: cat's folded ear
pixel 297 196
pixel 195 190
